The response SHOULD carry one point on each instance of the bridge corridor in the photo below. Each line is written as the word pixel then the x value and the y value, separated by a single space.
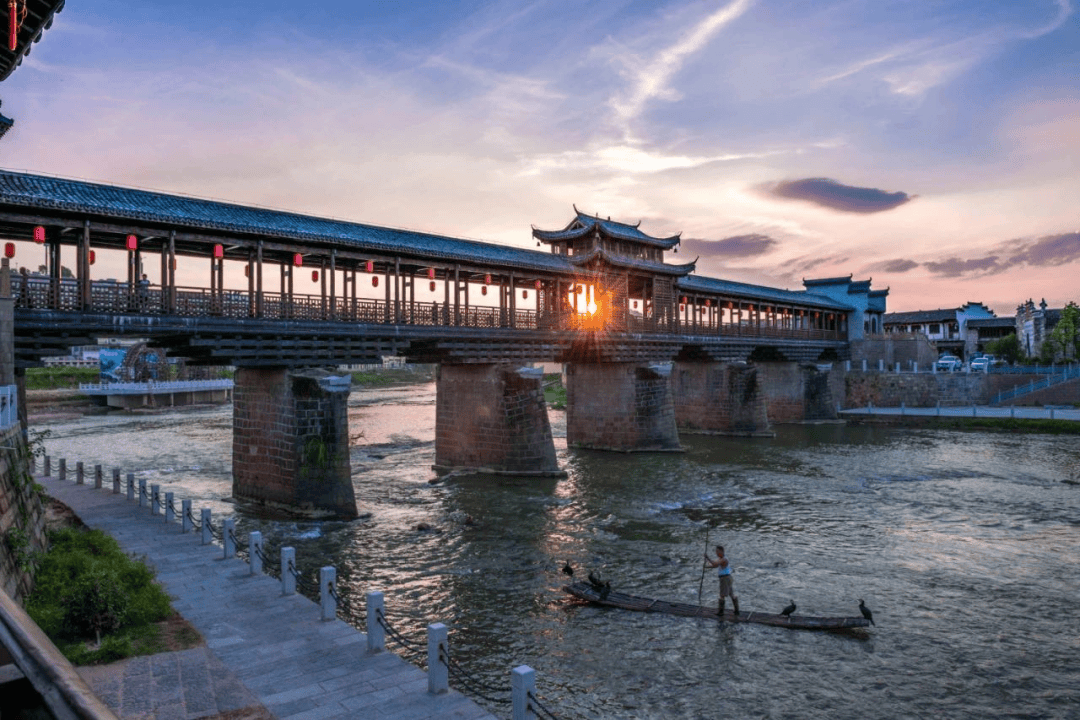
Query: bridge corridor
pixel 649 347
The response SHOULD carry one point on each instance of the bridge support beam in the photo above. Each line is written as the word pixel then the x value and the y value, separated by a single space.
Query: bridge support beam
pixel 628 407
pixel 291 441
pixel 721 399
pixel 492 418
pixel 799 392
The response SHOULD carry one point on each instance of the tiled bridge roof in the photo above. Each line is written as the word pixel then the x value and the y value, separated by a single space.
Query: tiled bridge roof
pixel 84 198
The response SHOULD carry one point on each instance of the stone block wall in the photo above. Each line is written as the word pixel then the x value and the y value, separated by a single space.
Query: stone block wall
pixel 291 441
pixel 797 392
pixel 22 516
pixel 620 406
pixel 493 418
pixel 721 398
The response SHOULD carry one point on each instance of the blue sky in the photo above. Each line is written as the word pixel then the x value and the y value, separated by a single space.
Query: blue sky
pixel 933 146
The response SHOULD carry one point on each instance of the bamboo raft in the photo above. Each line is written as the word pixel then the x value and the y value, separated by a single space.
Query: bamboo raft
pixel 585 591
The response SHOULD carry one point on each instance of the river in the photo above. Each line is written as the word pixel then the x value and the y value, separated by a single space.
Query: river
pixel 964 544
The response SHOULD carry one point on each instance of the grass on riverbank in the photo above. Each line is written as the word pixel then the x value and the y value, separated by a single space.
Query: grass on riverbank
pixel 554 392
pixel 59 378
pixel 98 604
pixel 386 377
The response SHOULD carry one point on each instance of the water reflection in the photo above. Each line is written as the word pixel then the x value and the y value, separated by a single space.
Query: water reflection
pixel 964 544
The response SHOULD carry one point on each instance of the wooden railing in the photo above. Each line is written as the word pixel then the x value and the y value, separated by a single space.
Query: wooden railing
pixel 115 297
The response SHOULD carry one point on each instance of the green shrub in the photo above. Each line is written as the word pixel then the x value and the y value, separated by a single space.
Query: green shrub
pixel 95 604
pixel 86 586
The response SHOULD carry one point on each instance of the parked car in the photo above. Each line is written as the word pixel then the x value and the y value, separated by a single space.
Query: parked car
pixel 983 363
pixel 949 363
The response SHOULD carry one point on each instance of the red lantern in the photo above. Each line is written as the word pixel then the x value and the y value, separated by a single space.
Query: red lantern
pixel 219 252
pixel 298 260
pixel 524 294
pixel 132 242
pixel 487 280
pixel 93 257
pixel 681 308
pixel 314 276
pixel 374 281
pixel 431 286
pixel 683 301
pixel 9 250
pixel 369 266
pixel 635 304
pixel 537 285
pixel 483 290
pixel 708 303
pixel 39 234
pixel 431 273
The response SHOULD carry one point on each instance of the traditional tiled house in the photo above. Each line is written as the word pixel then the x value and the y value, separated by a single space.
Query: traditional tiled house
pixel 946 328
pixel 1034 323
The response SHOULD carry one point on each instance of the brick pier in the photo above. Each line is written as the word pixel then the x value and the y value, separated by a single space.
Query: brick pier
pixel 291 440
pixel 493 418
pixel 720 398
pixel 620 406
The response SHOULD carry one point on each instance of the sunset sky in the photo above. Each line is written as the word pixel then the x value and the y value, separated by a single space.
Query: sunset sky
pixel 932 146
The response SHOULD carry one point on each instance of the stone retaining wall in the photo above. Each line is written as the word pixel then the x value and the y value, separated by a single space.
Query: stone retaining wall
pixel 21 516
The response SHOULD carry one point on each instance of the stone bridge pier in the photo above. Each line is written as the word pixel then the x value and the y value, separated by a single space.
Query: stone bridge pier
pixel 799 392
pixel 720 398
pixel 621 406
pixel 492 418
pixel 291 441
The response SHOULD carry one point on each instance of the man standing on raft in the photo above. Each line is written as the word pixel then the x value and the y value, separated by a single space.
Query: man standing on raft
pixel 724 573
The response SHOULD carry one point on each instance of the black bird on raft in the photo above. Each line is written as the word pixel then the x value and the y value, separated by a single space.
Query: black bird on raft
pixel 567 570
pixel 595 581
pixel 866 612
pixel 605 590
pixel 786 612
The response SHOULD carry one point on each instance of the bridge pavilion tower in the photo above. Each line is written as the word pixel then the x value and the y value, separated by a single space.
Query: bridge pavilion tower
pixel 619 396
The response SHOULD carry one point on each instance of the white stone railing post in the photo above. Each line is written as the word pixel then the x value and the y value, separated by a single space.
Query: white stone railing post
pixel 48 466
pixel 227 526
pixel 207 532
pixel 376 635
pixel 522 684
pixel 170 511
pixel 131 487
pixel 116 481
pixel 97 477
pixel 438 675
pixel 864 365
pixel 63 470
pixel 185 519
pixel 80 478
pixel 142 492
pixel 255 552
pixel 155 498
pixel 288 564
pixel 327 588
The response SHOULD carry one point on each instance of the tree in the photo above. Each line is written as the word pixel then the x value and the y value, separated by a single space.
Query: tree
pixel 1063 342
pixel 1007 348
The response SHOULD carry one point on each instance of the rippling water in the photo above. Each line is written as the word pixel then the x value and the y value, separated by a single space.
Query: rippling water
pixel 965 545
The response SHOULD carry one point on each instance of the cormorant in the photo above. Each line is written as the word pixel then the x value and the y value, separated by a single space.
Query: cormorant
pixel 786 612
pixel 866 612
pixel 595 581
pixel 605 590
pixel 567 570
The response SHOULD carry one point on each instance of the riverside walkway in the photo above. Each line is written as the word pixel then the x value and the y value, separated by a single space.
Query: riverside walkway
pixel 262 647
pixel 969 411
